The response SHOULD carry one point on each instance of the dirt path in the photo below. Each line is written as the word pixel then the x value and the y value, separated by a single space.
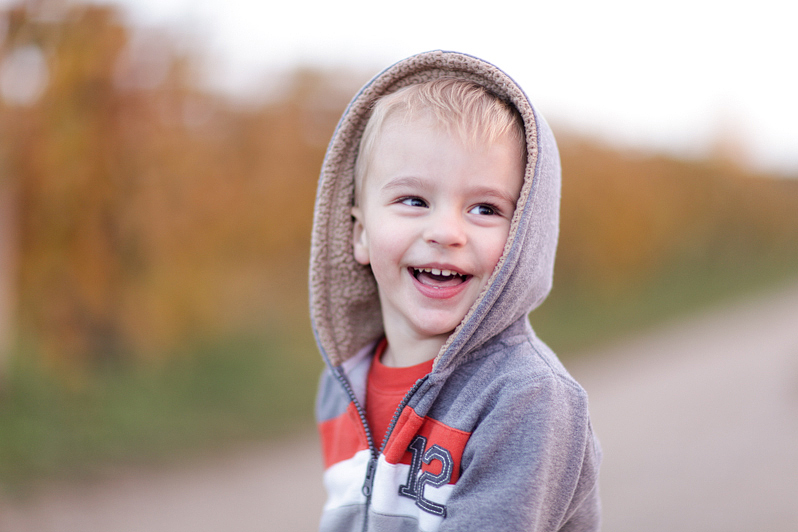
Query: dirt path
pixel 698 421
pixel 256 489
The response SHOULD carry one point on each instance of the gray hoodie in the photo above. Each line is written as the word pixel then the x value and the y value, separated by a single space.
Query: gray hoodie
pixel 497 436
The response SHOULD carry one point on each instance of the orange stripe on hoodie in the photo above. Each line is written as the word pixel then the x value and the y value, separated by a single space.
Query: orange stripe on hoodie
pixel 342 437
pixel 411 424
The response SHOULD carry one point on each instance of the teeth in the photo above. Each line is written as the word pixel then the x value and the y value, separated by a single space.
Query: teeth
pixel 435 271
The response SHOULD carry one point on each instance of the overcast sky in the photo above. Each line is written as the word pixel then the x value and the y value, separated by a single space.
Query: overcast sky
pixel 671 76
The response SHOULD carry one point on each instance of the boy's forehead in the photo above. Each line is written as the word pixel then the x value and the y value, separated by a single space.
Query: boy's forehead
pixel 417 149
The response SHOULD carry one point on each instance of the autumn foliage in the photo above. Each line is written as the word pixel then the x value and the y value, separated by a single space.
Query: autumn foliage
pixel 629 218
pixel 148 211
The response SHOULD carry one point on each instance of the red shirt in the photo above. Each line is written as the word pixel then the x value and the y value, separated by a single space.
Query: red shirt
pixel 386 388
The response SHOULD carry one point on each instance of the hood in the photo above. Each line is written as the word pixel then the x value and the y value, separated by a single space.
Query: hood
pixel 344 304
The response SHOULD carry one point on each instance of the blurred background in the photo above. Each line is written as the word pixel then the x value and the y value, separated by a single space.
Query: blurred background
pixel 158 164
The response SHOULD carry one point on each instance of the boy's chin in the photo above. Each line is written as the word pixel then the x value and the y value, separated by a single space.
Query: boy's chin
pixel 431 328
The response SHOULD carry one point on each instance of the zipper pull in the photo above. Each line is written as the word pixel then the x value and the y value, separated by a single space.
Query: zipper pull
pixel 369 482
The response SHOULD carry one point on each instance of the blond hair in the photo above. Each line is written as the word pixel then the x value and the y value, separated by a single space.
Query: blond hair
pixel 462 107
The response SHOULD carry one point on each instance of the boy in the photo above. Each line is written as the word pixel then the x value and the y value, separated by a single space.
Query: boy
pixel 434 236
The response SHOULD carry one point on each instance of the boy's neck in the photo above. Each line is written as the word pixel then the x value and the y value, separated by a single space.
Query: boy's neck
pixel 405 350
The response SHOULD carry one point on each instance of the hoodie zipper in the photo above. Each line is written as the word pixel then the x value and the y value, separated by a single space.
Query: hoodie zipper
pixel 371 468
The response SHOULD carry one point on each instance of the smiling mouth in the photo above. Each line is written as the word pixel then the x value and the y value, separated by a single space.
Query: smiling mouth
pixel 438 278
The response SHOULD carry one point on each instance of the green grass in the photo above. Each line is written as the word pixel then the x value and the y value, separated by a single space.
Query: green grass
pixel 219 392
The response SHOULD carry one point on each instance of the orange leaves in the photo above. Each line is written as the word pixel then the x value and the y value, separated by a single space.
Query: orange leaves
pixel 150 212
pixel 627 217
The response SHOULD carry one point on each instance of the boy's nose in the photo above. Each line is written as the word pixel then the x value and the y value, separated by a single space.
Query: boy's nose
pixel 445 229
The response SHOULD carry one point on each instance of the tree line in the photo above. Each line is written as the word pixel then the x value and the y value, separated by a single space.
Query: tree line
pixel 141 210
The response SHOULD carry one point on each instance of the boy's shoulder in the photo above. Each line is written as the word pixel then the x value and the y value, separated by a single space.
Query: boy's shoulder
pixel 517 356
pixel 517 375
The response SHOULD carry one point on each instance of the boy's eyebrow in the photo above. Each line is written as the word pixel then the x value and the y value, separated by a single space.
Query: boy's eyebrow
pixel 494 192
pixel 405 182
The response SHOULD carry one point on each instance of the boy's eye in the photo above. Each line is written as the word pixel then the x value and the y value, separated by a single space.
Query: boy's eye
pixel 484 210
pixel 414 202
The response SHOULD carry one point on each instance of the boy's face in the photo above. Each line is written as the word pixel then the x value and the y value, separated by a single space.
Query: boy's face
pixel 433 218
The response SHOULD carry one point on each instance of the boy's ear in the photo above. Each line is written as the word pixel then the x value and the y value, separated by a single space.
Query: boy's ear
pixel 360 242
